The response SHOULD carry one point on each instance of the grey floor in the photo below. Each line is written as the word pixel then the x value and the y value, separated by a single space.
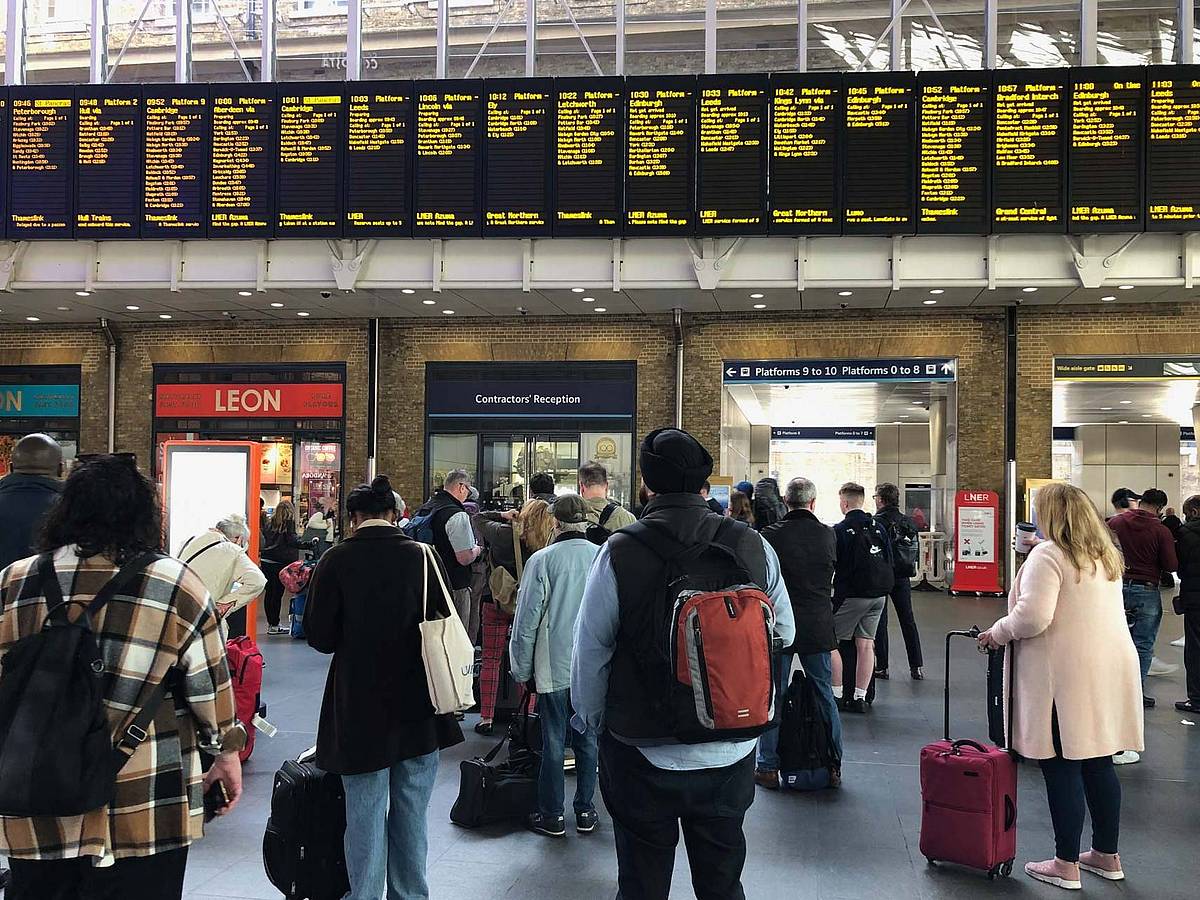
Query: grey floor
pixel 860 841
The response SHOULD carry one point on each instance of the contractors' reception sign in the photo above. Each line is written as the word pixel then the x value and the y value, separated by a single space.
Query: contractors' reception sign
pixel 249 401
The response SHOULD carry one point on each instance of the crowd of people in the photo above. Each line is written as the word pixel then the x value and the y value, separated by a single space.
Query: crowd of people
pixel 570 589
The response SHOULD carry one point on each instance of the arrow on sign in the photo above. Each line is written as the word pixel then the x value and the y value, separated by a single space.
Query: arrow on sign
pixel 731 371
pixel 947 368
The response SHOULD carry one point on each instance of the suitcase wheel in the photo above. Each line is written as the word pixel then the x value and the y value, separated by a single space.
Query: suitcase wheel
pixel 930 861
pixel 1006 868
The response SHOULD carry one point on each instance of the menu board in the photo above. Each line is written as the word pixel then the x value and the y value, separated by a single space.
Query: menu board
pixel 805 153
pixel 659 140
pixel 1028 177
pixel 308 202
pixel 448 175
pixel 41 170
pixel 731 154
pixel 518 121
pixel 242 185
pixel 379 159
pixel 877 173
pixel 108 160
pixel 1104 169
pixel 954 114
pixel 175 164
pixel 588 166
pixel 1173 148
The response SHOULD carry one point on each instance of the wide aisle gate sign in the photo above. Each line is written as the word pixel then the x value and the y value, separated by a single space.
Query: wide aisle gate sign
pixel 976 542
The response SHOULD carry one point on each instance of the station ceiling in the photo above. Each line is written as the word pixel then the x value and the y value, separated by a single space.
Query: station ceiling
pixel 1125 403
pixel 832 405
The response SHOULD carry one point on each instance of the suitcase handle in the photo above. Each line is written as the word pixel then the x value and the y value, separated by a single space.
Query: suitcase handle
pixel 967 743
pixel 972 633
pixel 1010 813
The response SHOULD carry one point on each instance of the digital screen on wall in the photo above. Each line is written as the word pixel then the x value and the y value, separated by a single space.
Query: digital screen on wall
pixel 108 161
pixel 242 185
pixel 732 118
pixel 660 124
pixel 1104 168
pixel 378 159
pixel 877 146
pixel 588 162
pixel 954 113
pixel 204 483
pixel 1172 149
pixel 175 163
pixel 1028 160
pixel 41 162
pixel 312 120
pixel 449 162
pixel 805 153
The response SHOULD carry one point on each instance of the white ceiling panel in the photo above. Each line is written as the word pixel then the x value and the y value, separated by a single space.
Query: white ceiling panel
pixel 921 298
pixel 657 301
pixel 743 299
pixel 831 405
pixel 851 298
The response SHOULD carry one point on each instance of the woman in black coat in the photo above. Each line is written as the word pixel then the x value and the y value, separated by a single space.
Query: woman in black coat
pixel 1187 548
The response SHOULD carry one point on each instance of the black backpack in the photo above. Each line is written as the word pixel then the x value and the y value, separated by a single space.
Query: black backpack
pixel 303 847
pixel 808 757
pixel 57 754
pixel 906 544
pixel 597 533
pixel 871 573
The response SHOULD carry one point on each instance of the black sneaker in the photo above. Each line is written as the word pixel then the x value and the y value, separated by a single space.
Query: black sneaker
pixel 856 706
pixel 1147 702
pixel 586 822
pixel 550 826
pixel 882 674
pixel 1187 706
pixel 918 674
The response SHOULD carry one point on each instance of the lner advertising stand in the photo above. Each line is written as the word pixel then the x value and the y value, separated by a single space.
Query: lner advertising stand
pixel 976 543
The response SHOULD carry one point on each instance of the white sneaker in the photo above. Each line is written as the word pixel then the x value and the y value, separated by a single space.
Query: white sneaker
pixel 1178 643
pixel 1126 758
pixel 1158 667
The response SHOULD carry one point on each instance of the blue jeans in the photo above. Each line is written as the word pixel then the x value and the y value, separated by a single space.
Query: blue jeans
pixel 386 829
pixel 817 666
pixel 1144 604
pixel 554 710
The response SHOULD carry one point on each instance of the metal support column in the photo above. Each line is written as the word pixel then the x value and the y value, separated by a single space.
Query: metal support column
pixel 98 58
pixel 991 49
pixel 710 37
pixel 183 41
pixel 531 23
pixel 619 36
pixel 14 56
pixel 1185 39
pixel 801 35
pixel 1011 500
pixel 372 395
pixel 896 38
pixel 267 69
pixel 1089 25
pixel 678 322
pixel 443 38
pixel 354 48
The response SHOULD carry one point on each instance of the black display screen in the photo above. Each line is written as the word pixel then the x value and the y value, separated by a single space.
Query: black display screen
pixel 588 159
pixel 805 154
pixel 954 115
pixel 242 188
pixel 1104 169
pixel 659 140
pixel 449 161
pixel 175 164
pixel 312 119
pixel 379 159
pixel 1028 160
pixel 41 171
pixel 731 154
pixel 108 160
pixel 877 174
pixel 5 150
pixel 518 123
pixel 1173 148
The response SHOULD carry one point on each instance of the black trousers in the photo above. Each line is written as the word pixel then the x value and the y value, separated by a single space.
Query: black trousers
pixel 902 600
pixel 157 877
pixel 1191 654
pixel 273 595
pixel 648 805
pixel 1072 785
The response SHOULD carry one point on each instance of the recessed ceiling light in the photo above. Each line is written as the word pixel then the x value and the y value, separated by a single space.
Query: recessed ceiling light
pixel 447 312
pixel 276 306
pixel 63 308
pixel 407 291
pixel 576 290
pixel 1124 287
pixel 132 308
pixel 83 293
pixel 1147 415
pixel 937 291
pixel 902 416
pixel 1105 408
pixel 756 296
pixel 760 306
pixel 164 315
pixel 929 302
pixel 1029 290
pixel 429 302
pixel 1126 402
pixel 1108 299
pixel 845 293
pixel 32 319
pixel 599 309
pixel 302 314
pixel 589 299
pixel 1122 422
pixel 245 293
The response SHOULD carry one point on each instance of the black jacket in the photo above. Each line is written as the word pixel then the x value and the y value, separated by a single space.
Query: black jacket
pixel 1187 547
pixel 364 607
pixel 807 552
pixel 280 547
pixel 443 506
pixel 24 500
pixel 844 577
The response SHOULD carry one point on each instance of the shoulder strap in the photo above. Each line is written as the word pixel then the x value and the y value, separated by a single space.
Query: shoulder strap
pixel 201 552
pixel 607 513
pixel 52 590
pixel 516 534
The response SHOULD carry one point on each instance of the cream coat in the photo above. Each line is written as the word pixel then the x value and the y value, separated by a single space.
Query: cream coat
pixel 1073 654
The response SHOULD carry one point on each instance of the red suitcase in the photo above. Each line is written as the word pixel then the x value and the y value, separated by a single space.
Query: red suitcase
pixel 968 798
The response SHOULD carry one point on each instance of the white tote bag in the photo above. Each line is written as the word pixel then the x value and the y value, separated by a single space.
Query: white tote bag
pixel 446 649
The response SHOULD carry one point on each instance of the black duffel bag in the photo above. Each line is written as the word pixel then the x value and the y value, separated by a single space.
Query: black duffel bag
pixel 491 792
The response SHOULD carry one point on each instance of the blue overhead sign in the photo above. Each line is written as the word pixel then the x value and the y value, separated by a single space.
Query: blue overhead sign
pixel 794 371
pixel 47 401
pixel 548 398
pixel 822 434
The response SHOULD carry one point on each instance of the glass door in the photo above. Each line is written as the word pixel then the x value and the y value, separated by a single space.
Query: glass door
pixel 558 455
pixel 510 461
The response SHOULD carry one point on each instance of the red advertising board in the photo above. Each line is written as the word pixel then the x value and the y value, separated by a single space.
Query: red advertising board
pixel 976 542
pixel 249 401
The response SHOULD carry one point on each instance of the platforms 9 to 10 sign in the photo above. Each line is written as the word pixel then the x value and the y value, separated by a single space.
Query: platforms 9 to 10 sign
pixel 944 152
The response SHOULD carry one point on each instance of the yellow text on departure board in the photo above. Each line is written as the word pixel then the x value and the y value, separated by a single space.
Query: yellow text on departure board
pixel 585 139
pixel 33 149
pixel 802 126
pixel 376 126
pixel 871 107
pixel 951 119
pixel 657 146
pixel 1174 120
pixel 239 129
pixel 730 122
pixel 100 123
pixel 173 131
pixel 446 125
pixel 1027 120
pixel 307 129
pixel 1102 120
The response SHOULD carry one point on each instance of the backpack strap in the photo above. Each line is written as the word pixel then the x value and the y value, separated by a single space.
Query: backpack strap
pixel 607 513
pixel 726 535
pixel 201 552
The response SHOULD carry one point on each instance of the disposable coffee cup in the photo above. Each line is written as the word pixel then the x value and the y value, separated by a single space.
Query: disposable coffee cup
pixel 1026 536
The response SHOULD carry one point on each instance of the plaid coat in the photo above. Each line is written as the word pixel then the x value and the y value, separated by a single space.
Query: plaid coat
pixel 164 619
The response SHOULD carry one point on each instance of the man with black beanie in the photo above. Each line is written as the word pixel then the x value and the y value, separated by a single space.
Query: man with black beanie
pixel 652 783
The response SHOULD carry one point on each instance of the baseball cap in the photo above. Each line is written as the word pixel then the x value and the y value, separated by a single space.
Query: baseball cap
pixel 1124 496
pixel 569 509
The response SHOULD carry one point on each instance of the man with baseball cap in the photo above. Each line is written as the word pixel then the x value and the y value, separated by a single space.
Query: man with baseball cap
pixel 652 783
pixel 1123 499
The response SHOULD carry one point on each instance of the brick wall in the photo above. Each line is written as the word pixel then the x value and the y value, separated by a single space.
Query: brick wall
pixel 74 346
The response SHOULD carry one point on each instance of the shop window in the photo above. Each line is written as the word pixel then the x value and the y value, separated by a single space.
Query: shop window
pixel 448 452
pixel 614 451
pixel 318 478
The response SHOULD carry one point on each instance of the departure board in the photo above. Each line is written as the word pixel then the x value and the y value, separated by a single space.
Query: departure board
pixel 449 162
pixel 954 115
pixel 108 161
pixel 41 170
pixel 877 174
pixel 1173 148
pixel 1104 168
pixel 379 159
pixel 805 153
pixel 659 142
pixel 308 202
pixel 175 164
pixel 731 154
pixel 5 150
pixel 242 187
pixel 1030 135
pixel 518 136
pixel 588 164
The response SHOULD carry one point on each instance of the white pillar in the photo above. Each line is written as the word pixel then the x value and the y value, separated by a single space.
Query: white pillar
pixel 801 35
pixel 354 46
pixel 619 36
pixel 991 48
pixel 183 41
pixel 710 37
pixel 443 38
pixel 266 71
pixel 1185 34
pixel 896 38
pixel 1089 25
pixel 98 59
pixel 531 23
pixel 14 60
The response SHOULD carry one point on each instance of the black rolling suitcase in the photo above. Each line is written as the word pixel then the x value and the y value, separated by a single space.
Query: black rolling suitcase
pixel 849 656
pixel 303 848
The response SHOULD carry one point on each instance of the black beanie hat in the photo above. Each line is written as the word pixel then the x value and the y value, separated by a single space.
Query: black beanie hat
pixel 674 462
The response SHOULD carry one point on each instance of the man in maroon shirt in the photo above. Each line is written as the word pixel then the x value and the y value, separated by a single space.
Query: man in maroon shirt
pixel 1149 551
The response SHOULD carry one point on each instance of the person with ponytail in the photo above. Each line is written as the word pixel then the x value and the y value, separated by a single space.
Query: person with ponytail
pixel 378 729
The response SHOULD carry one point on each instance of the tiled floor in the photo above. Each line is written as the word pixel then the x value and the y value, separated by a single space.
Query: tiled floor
pixel 858 842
